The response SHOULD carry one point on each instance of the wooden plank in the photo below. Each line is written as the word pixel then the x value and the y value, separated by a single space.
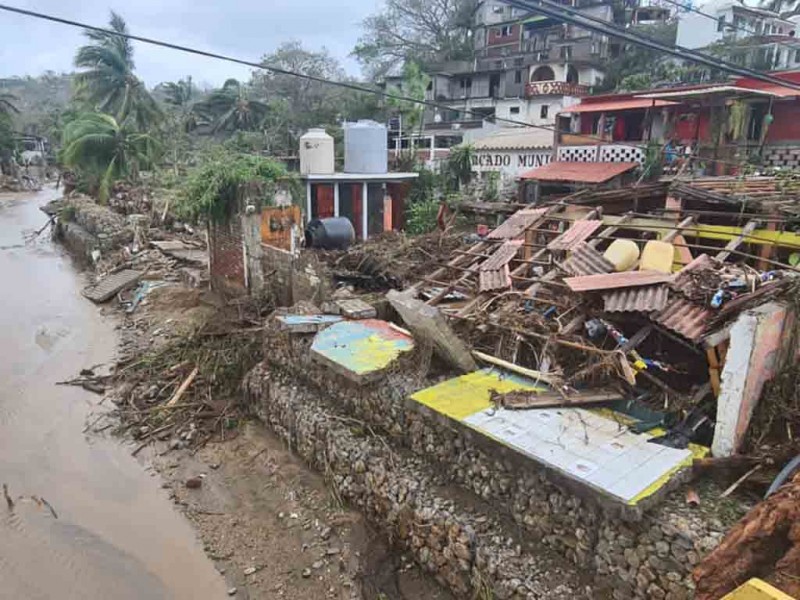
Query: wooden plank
pixel 612 281
pixel 109 286
pixel 749 228
pixel 521 400
pixel 713 370
pixel 530 373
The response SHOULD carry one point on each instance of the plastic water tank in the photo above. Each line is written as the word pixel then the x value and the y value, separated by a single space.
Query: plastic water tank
pixel 365 147
pixel 316 153
pixel 335 233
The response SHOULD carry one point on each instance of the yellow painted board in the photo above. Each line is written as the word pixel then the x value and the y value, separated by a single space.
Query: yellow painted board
pixel 756 589
pixel 466 395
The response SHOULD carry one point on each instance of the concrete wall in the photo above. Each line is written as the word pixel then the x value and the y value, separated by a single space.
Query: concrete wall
pixel 759 343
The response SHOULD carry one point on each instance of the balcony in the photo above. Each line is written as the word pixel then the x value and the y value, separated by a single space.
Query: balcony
pixel 555 88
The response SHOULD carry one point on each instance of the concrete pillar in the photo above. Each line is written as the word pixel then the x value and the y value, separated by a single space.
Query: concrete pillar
pixel 759 342
pixel 364 211
pixel 335 198
pixel 308 201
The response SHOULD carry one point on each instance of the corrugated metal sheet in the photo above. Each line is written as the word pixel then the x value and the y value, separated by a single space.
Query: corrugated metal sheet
pixel 580 172
pixel 579 232
pixel 516 224
pixel 489 281
pixel 107 287
pixel 685 318
pixel 502 256
pixel 611 281
pixel 585 260
pixel 644 299
pixel 612 104
pixel 525 139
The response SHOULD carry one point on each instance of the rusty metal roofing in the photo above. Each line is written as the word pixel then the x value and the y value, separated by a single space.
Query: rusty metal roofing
pixel 499 279
pixel 685 318
pixel 516 224
pixel 585 260
pixel 579 172
pixel 647 299
pixel 611 281
pixel 579 232
pixel 502 256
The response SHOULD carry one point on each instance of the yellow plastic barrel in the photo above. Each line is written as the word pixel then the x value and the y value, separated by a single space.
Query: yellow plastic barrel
pixel 623 254
pixel 657 256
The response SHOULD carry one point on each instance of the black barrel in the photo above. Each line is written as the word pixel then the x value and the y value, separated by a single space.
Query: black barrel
pixel 336 233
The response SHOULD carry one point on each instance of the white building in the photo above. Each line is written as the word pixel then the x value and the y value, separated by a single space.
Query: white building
pixel 763 39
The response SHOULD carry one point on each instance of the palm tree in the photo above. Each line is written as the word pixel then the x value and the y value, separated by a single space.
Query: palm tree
pixel 230 109
pixel 104 150
pixel 179 96
pixel 7 106
pixel 108 84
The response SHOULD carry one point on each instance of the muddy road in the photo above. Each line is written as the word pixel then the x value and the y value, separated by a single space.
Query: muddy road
pixel 117 534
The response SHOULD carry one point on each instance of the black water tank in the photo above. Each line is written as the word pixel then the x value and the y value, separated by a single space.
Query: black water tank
pixel 336 233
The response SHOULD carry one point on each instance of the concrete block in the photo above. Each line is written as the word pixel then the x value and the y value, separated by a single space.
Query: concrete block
pixel 428 324
pixel 757 351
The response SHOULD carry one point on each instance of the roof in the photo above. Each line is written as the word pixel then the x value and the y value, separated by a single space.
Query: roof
pixel 613 281
pixel 360 177
pixel 649 298
pixel 585 260
pixel 516 139
pixel 577 233
pixel 713 89
pixel 685 318
pixel 588 172
pixel 612 105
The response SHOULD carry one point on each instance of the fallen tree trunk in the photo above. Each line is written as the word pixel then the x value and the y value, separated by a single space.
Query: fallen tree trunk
pixel 765 544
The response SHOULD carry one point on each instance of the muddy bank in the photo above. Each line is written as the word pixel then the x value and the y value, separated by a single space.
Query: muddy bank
pixel 116 533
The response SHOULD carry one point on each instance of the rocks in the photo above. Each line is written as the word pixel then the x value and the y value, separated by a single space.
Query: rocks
pixel 306 573
pixel 633 552
pixel 194 483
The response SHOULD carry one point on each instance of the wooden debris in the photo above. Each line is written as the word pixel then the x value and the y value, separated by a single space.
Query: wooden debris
pixel 520 400
pixel 548 378
pixel 184 386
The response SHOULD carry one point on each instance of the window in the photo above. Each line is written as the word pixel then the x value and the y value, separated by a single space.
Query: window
pixel 566 52
pixel 505 31
pixel 721 23
pixel 517 76
pixel 518 62
pixel 544 111
pixel 514 110
pixel 797 56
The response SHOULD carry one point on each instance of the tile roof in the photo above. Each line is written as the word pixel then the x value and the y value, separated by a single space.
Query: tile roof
pixel 612 105
pixel 579 232
pixel 649 298
pixel 585 260
pixel 516 224
pixel 581 172
pixel 516 139
pixel 611 281
pixel 502 256
pixel 499 279
pixel 685 318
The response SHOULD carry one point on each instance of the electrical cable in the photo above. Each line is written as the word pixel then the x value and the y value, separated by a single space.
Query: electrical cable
pixel 322 80
pixel 568 15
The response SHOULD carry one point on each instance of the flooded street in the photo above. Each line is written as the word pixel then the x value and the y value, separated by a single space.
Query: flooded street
pixel 117 534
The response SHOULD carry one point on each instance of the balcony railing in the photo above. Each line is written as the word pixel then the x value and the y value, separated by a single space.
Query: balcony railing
pixel 555 88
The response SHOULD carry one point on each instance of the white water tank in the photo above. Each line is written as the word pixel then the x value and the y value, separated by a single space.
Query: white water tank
pixel 365 147
pixel 316 153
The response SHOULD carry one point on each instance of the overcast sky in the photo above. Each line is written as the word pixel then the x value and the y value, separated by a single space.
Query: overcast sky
pixel 246 29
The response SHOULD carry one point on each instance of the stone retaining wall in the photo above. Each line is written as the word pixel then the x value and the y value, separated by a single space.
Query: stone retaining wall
pixel 469 552
pixel 639 553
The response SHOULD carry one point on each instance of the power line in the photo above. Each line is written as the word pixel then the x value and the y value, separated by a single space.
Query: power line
pixel 686 7
pixel 322 80
pixel 568 15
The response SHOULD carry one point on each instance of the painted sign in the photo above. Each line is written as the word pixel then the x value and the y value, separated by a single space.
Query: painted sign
pixel 509 164
pixel 555 88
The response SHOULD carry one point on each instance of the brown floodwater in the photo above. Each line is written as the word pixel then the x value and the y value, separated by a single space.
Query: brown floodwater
pixel 117 534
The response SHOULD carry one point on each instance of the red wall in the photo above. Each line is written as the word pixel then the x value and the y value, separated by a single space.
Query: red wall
pixel 686 130
pixel 226 256
pixel 786 126
pixel 495 39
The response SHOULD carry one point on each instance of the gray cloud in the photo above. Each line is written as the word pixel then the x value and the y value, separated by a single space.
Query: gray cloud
pixel 245 29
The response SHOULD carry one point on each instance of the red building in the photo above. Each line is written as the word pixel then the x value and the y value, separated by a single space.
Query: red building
pixel 718 125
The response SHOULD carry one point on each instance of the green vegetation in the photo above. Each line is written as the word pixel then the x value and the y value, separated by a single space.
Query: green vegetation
pixel 231 108
pixel 104 151
pixel 212 190
pixel 108 83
